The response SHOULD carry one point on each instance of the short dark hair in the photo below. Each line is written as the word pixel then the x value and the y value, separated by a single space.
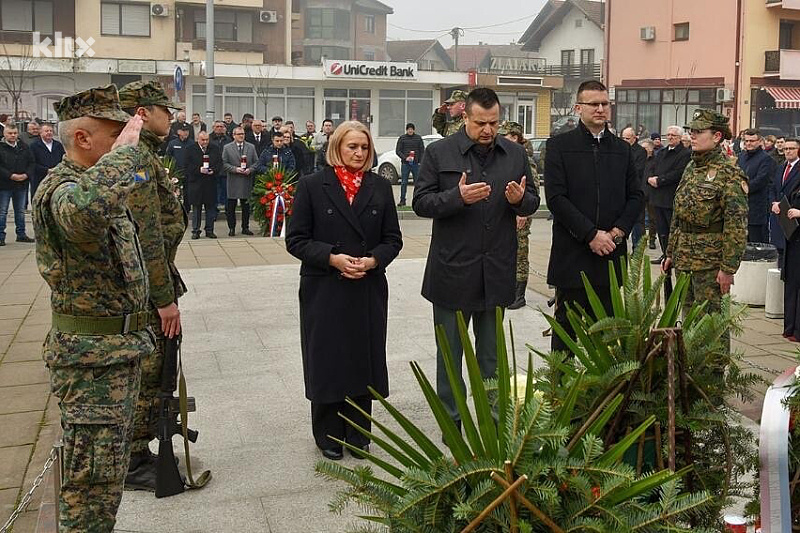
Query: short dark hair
pixel 289 122
pixel 228 115
pixel 276 134
pixel 483 96
pixel 752 131
pixel 247 116
pixel 327 120
pixel 590 85
pixel 792 140
pixel 411 125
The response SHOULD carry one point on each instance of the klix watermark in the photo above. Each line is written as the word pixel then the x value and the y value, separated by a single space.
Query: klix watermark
pixel 62 47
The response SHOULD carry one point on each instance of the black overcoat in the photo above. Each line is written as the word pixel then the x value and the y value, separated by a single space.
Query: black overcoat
pixel 202 188
pixel 669 167
pixel 589 186
pixel 472 258
pixel 342 321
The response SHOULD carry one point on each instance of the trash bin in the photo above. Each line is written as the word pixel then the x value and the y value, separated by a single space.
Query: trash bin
pixel 773 305
pixel 750 282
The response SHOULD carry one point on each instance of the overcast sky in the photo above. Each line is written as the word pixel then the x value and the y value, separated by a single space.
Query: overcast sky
pixel 436 17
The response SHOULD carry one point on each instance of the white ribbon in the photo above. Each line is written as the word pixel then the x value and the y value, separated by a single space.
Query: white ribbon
pixel 274 222
pixel 774 457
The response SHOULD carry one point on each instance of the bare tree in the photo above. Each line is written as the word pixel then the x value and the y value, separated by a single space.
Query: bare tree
pixel 16 73
pixel 260 78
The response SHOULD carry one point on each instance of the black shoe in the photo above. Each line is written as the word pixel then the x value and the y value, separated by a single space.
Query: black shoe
pixel 652 245
pixel 401 203
pixel 25 238
pixel 519 301
pixel 142 472
pixel 231 232
pixel 247 232
pixel 211 235
pixel 458 425
pixel 658 260
pixel 3 243
pixel 195 235
pixel 333 454
pixel 357 455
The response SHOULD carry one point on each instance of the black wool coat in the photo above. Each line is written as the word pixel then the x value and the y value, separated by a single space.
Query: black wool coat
pixel 342 321
pixel 589 186
pixel 202 188
pixel 473 253
pixel 669 167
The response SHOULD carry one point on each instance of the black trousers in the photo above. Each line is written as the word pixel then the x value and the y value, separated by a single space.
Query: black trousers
pixel 663 220
pixel 325 422
pixel 211 216
pixel 573 297
pixel 230 213
pixel 758 232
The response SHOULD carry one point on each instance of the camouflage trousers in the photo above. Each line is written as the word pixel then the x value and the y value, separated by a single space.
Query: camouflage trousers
pixel 523 263
pixel 703 287
pixel 144 429
pixel 97 406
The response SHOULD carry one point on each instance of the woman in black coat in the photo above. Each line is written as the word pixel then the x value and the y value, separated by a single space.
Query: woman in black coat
pixel 345 231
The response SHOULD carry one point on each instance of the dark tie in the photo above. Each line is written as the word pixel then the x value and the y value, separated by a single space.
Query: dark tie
pixel 258 138
pixel 786 172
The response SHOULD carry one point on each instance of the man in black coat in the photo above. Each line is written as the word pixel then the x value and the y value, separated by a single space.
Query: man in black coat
pixel 595 195
pixel 258 137
pixel 639 155
pixel 760 170
pixel 473 184
pixel 16 168
pixel 409 149
pixel 47 153
pixel 201 184
pixel 669 165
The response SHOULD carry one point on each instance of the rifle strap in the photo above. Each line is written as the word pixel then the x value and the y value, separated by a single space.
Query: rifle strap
pixel 205 477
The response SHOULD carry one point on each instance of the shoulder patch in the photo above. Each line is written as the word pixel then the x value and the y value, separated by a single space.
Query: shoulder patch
pixel 745 188
pixel 141 175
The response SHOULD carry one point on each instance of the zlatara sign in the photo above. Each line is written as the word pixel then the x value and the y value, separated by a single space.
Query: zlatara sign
pixel 369 69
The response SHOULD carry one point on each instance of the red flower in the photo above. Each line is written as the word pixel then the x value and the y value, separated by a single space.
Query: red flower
pixel 269 185
pixel 271 196
pixel 263 200
pixel 290 188
pixel 278 176
pixel 596 492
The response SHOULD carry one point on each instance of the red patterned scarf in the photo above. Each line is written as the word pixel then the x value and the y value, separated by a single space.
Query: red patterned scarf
pixel 351 181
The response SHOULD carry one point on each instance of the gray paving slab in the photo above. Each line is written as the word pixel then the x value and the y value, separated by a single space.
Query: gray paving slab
pixel 244 368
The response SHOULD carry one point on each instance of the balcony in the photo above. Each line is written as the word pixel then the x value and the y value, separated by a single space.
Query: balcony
pixel 785 64
pixel 588 70
pixel 785 4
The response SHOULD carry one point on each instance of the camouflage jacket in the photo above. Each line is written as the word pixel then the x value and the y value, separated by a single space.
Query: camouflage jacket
pixel 709 221
pixel 88 252
pixel 161 223
pixel 444 127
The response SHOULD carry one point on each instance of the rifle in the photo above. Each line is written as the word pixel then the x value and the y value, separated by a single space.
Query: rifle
pixel 168 479
pixel 668 286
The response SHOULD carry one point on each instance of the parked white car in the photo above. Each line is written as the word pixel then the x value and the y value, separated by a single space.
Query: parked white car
pixel 389 164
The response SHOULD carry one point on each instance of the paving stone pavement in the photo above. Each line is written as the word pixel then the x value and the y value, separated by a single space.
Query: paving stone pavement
pixel 243 366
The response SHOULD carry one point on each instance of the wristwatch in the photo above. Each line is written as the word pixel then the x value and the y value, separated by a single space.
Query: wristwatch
pixel 619 239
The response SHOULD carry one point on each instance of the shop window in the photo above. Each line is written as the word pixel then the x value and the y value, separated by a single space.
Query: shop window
pixel 681 31
pixel 396 108
pixel 131 20
pixel 27 15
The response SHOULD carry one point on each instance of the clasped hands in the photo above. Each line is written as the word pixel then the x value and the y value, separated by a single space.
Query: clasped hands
pixel 352 267
pixel 18 177
pixel 475 192
pixel 603 242
pixel 240 170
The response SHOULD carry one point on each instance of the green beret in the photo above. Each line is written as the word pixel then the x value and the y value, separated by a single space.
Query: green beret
pixel 100 102
pixel 456 96
pixel 144 93
pixel 705 119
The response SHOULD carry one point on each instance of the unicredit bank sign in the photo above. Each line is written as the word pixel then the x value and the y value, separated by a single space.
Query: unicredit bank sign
pixel 383 70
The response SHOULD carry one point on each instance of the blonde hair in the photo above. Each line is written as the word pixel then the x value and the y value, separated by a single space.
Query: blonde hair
pixel 333 156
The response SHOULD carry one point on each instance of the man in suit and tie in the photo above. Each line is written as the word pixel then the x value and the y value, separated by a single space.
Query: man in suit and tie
pixel 201 189
pixel 238 160
pixel 257 137
pixel 47 153
pixel 785 180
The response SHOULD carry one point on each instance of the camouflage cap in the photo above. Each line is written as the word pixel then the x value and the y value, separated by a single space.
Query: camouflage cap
pixel 142 93
pixel 100 102
pixel 457 96
pixel 509 126
pixel 704 119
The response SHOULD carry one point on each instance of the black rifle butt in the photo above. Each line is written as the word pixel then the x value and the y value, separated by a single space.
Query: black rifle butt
pixel 668 286
pixel 168 479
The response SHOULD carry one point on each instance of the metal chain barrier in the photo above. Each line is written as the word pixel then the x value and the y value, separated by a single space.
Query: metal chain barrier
pixel 54 457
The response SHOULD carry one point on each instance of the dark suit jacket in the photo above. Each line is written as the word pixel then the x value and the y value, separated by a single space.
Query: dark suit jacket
pixel 760 169
pixel 778 190
pixel 472 259
pixel 201 188
pixel 669 167
pixel 15 160
pixel 266 140
pixel 44 158
pixel 589 186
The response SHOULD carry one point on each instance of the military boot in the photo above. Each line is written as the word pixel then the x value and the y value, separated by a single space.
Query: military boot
pixel 142 471
pixel 519 301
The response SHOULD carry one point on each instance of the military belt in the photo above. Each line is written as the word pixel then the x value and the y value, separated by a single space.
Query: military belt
pixel 101 325
pixel 690 228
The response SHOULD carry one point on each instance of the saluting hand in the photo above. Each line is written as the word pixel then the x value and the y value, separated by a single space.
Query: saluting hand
pixel 515 191
pixel 129 136
pixel 473 192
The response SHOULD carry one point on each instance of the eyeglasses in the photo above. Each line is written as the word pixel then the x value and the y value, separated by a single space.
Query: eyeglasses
pixel 595 105
pixel 238 133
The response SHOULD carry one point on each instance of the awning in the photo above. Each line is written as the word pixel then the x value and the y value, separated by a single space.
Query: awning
pixel 785 97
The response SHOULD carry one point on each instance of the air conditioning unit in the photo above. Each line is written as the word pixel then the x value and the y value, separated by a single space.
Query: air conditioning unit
pixel 647 33
pixel 724 95
pixel 268 17
pixel 159 10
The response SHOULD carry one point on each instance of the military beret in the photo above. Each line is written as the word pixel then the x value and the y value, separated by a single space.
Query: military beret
pixel 143 93
pixel 100 102
pixel 708 119
pixel 456 96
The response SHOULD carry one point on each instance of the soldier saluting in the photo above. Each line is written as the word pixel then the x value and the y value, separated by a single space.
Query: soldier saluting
pixel 709 224
pixel 454 107
pixel 88 252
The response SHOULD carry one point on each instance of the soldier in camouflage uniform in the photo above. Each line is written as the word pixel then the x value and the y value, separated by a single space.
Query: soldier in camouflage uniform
pixel 709 224
pixel 454 106
pixel 513 132
pixel 88 252
pixel 161 221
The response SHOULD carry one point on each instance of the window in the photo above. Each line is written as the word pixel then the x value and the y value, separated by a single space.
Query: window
pixel 398 107
pixel 369 23
pixel 369 55
pixel 131 20
pixel 27 15
pixel 587 56
pixel 325 23
pixel 785 36
pixel 681 31
pixel 578 23
pixel 229 25
pixel 567 57
pixel 313 54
